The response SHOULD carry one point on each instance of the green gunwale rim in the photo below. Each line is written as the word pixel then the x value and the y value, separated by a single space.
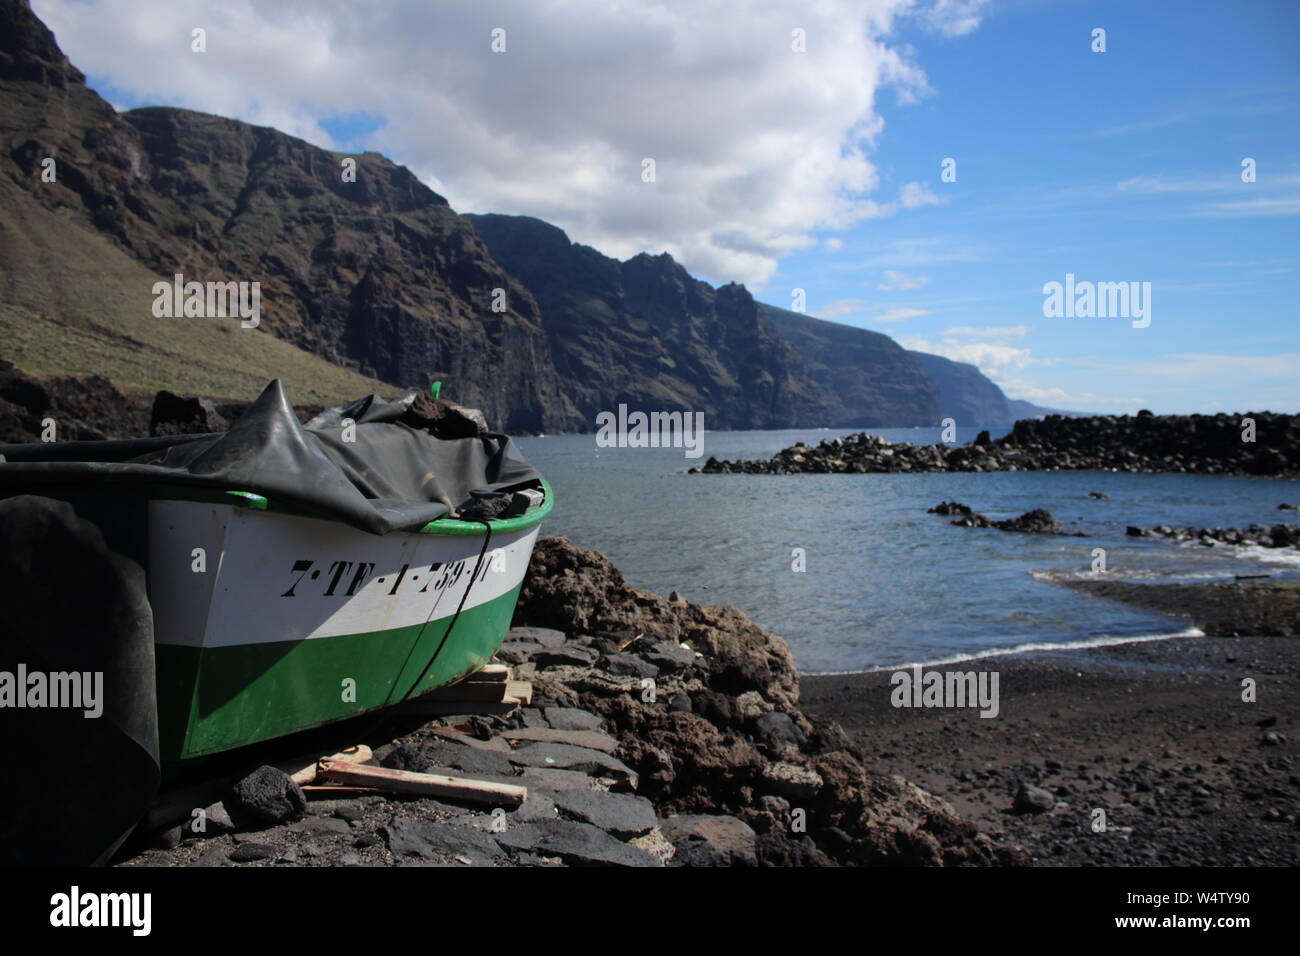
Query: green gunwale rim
pixel 526 520
pixel 443 526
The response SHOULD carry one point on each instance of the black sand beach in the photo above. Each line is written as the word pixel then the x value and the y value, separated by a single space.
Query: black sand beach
pixel 1155 733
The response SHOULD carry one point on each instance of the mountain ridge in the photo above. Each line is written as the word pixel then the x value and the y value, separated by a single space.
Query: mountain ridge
pixel 376 282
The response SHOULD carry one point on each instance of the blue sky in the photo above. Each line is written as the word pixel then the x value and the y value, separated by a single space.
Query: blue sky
pixel 821 171
pixel 1115 166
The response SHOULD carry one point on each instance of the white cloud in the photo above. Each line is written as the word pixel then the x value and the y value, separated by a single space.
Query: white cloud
pixel 1252 207
pixel 899 315
pixel 953 18
pixel 993 359
pixel 1203 367
pixel 883 313
pixel 833 244
pixel 912 253
pixel 896 281
pixel 756 146
pixel 843 307
pixel 1029 392
pixel 1264 198
pixel 990 331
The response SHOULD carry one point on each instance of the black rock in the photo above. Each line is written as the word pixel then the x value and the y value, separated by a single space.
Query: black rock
pixel 483 507
pixel 623 814
pixel 1031 799
pixel 628 666
pixel 538 805
pixel 320 826
pixel 681 703
pixel 443 418
pixel 569 757
pixel 518 652
pixel 440 842
pixel 407 756
pixel 575 843
pixel 248 852
pixel 777 731
pixel 569 656
pixel 702 840
pixel 174 415
pixel 718 709
pixel 470 760
pixel 1037 521
pixel 546 636
pixel 267 795
pixel 671 658
pixel 571 718
pixel 216 820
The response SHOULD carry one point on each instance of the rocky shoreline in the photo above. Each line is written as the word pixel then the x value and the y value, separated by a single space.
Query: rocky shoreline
pixel 1263 536
pixel 93 409
pixel 667 733
pixel 660 733
pixel 1156 735
pixel 1255 443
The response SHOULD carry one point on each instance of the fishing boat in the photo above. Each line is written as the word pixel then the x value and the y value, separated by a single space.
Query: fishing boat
pixel 237 587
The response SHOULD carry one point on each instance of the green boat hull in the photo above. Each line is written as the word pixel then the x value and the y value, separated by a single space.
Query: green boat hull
pixel 269 624
pixel 216 699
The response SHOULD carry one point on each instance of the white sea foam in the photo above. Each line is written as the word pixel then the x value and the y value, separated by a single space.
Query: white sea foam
pixel 1104 641
pixel 1168 575
pixel 1289 557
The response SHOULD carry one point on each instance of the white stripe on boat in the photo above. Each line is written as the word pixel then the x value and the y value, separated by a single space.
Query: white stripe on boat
pixel 271 577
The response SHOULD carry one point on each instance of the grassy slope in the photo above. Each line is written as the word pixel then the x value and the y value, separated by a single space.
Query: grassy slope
pixel 72 302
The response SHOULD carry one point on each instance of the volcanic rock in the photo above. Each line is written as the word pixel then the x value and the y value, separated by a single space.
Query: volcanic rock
pixel 267 795
pixel 576 843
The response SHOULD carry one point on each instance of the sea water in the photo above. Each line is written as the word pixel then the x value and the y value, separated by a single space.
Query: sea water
pixel 886 583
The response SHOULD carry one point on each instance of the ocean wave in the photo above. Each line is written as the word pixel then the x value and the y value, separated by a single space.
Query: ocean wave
pixel 1104 641
pixel 1167 575
pixel 1289 557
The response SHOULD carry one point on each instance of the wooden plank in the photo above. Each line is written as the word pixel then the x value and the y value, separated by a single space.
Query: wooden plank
pixel 520 690
pixel 424 784
pixel 497 672
pixel 303 769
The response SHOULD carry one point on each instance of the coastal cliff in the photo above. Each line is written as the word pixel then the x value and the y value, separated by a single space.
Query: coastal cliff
pixel 369 280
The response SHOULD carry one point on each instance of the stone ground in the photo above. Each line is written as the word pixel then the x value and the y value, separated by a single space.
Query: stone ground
pixel 1154 733
pixel 581 808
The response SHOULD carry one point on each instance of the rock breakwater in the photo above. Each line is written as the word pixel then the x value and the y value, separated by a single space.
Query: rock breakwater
pixel 1255 443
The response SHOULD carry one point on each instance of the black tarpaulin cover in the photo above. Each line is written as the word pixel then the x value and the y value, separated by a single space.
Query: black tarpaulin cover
pixel 70 604
pixel 87 774
pixel 391 477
